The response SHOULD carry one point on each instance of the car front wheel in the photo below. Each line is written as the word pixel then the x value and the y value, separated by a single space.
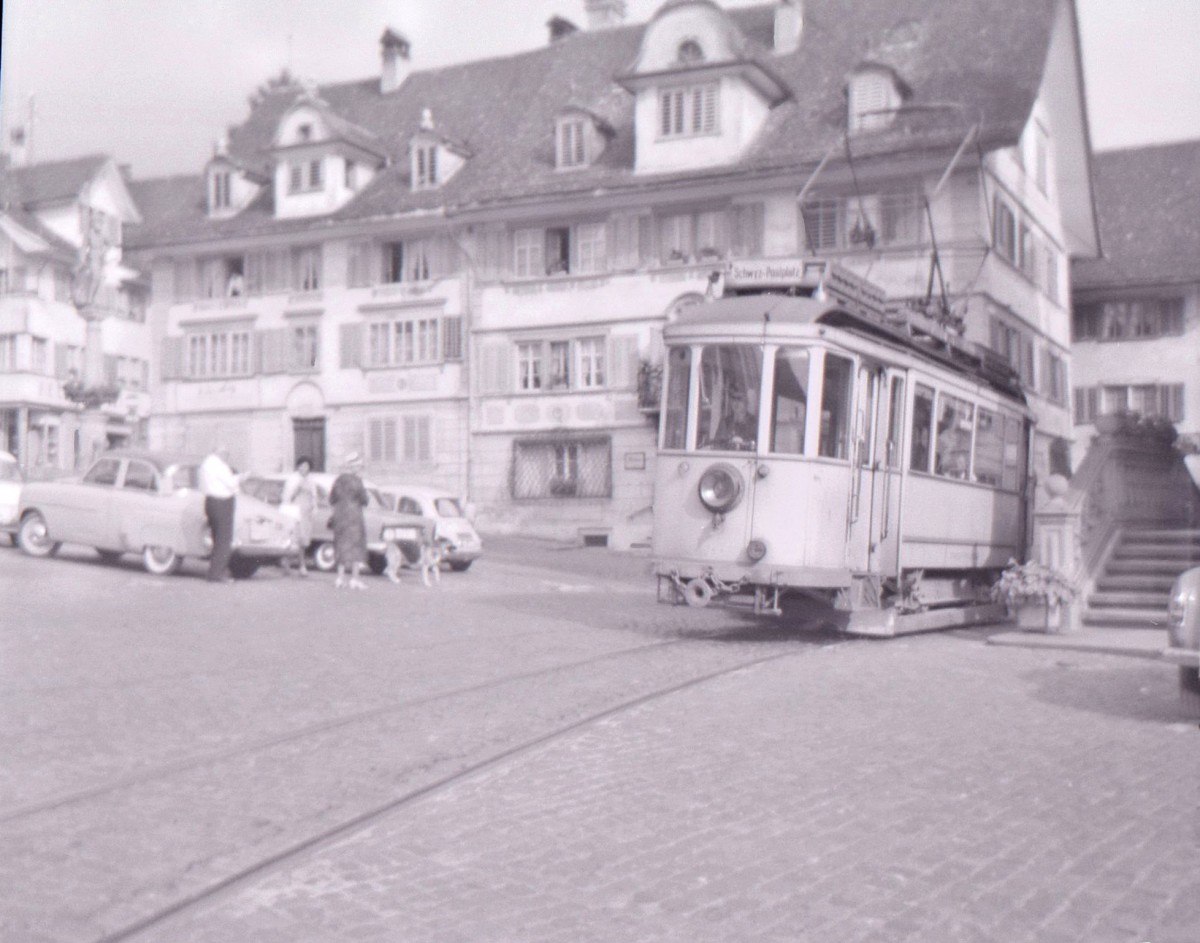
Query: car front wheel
pixel 242 568
pixel 34 537
pixel 161 561
pixel 325 557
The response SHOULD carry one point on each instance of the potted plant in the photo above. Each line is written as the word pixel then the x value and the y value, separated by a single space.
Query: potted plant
pixel 1036 594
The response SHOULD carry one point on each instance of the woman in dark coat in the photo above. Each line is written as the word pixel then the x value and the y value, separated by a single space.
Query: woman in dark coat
pixel 348 497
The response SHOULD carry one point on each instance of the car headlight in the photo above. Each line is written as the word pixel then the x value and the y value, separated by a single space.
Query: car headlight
pixel 720 488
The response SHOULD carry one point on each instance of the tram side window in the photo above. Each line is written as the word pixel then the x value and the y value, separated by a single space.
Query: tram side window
pixel 789 401
pixel 679 368
pixel 730 379
pixel 955 420
pixel 895 424
pixel 1014 455
pixel 835 407
pixel 922 428
pixel 989 448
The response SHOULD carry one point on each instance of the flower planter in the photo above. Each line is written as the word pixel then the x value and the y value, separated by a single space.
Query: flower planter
pixel 1036 615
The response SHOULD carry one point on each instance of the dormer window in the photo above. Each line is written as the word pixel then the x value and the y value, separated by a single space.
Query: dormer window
pixel 873 98
pixel 305 175
pixel 572 149
pixel 425 166
pixel 690 52
pixel 315 176
pixel 685 112
pixel 220 193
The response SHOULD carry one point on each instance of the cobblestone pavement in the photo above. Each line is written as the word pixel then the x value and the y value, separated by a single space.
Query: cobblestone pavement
pixel 524 754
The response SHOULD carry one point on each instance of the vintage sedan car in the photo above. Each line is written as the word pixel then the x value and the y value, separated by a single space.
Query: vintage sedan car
pixel 463 545
pixel 386 529
pixel 10 494
pixel 146 503
pixel 1183 628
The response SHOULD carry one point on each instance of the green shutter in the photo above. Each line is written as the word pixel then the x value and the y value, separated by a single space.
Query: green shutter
pixel 351 344
pixel 494 367
pixel 623 362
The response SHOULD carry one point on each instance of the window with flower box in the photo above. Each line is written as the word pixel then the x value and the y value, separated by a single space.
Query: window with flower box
pixel 892 217
pixel 1128 319
pixel 1149 400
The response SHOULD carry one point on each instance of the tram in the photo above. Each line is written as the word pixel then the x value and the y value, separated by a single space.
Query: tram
pixel 815 440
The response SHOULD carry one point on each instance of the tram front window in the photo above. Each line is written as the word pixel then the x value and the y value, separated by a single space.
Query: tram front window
pixel 789 401
pixel 679 368
pixel 730 376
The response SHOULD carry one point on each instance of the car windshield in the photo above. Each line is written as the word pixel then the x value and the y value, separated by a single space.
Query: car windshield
pixel 182 477
pixel 10 471
pixel 448 507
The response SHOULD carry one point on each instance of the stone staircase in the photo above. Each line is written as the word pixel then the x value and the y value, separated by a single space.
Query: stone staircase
pixel 1133 589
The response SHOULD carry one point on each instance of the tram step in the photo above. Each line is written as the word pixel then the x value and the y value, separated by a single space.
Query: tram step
pixel 1169 534
pixel 1136 582
pixel 1129 600
pixel 1162 551
pixel 1127 618
pixel 1146 567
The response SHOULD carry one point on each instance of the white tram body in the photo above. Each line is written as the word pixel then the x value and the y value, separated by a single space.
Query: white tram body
pixel 810 441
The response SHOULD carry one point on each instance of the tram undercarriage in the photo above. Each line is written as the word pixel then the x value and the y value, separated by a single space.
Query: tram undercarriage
pixel 867 605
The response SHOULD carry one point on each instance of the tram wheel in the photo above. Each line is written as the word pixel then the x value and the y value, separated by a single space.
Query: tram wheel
pixel 697 593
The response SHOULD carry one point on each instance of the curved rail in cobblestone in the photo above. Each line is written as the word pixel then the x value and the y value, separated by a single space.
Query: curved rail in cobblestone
pixel 266 743
pixel 366 819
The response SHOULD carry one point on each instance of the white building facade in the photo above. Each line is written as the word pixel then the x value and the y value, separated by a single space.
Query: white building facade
pixel 464 273
pixel 1136 332
pixel 50 210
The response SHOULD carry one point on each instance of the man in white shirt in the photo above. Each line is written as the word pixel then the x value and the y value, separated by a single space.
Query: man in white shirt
pixel 220 485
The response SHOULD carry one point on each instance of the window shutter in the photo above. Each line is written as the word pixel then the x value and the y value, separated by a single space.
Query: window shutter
pixel 623 362
pixel 272 350
pixel 645 232
pixel 494 368
pixel 351 344
pixel 185 279
pixel 110 369
pixel 171 365
pixel 62 354
pixel 452 340
pixel 747 230
pixel 357 265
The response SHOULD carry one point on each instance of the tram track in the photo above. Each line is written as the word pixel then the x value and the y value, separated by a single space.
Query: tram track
pixel 196 761
pixel 214 891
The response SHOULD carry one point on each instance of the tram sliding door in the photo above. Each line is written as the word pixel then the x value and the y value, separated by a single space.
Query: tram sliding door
pixel 860 528
pixel 888 471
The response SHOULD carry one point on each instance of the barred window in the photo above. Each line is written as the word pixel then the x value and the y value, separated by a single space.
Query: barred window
pixel 566 467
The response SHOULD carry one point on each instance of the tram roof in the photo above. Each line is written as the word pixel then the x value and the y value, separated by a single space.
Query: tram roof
pixel 762 310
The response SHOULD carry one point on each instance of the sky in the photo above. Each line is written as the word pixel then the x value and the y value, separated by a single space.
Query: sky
pixel 155 82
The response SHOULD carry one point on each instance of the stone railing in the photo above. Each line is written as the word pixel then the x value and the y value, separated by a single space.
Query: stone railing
pixel 1132 475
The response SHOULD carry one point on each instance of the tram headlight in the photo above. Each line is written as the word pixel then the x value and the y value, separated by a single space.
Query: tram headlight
pixel 756 550
pixel 720 488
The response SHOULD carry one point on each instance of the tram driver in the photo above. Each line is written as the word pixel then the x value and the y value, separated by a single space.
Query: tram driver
pixel 739 426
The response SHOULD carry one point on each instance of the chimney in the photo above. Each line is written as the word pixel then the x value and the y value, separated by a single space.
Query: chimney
pixel 560 28
pixel 394 51
pixel 789 24
pixel 603 14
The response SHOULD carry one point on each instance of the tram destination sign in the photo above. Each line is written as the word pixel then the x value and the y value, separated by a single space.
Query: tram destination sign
pixel 776 273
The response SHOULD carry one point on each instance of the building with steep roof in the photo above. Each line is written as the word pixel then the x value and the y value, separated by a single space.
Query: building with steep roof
pixel 1136 320
pixel 463 272
pixel 70 312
